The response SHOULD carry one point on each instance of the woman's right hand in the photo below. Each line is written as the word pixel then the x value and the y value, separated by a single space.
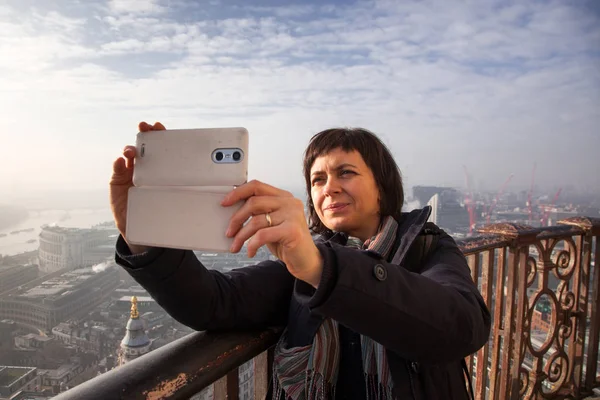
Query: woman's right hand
pixel 122 180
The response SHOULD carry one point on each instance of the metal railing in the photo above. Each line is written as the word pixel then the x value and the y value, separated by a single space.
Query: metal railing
pixel 544 340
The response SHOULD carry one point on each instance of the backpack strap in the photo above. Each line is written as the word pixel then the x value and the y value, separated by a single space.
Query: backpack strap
pixel 422 247
pixel 468 378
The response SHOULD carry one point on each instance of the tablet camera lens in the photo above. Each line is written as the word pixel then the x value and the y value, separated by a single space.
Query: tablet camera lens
pixel 219 156
pixel 236 155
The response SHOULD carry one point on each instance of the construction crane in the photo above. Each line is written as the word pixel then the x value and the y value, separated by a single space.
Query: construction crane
pixel 544 220
pixel 529 202
pixel 500 192
pixel 469 201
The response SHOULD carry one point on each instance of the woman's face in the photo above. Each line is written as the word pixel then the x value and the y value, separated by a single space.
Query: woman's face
pixel 345 194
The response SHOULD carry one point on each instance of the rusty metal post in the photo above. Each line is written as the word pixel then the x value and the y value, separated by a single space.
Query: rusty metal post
pixel 591 227
pixel 220 388
pixel 487 274
pixel 520 253
pixel 473 261
pixel 521 237
pixel 497 326
pixel 594 341
pixel 580 284
pixel 228 387
pixel 263 367
pixel 233 384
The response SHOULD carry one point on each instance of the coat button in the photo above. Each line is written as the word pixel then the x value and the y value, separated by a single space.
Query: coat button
pixel 414 366
pixel 380 272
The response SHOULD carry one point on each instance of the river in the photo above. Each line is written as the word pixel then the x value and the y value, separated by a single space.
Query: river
pixel 79 218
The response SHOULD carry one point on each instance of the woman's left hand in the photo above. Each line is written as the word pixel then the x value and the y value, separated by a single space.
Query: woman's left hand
pixel 286 235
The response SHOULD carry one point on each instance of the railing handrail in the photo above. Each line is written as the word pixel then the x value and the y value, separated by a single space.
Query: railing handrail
pixel 177 370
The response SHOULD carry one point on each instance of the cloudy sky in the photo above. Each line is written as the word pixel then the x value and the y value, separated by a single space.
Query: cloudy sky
pixel 493 85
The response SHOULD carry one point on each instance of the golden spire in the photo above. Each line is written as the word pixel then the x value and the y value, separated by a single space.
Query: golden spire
pixel 134 310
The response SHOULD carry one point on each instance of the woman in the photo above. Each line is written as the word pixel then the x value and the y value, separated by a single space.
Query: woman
pixel 360 322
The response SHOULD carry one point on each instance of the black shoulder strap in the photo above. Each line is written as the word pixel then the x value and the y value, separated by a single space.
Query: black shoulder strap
pixel 431 234
pixel 468 378
pixel 422 247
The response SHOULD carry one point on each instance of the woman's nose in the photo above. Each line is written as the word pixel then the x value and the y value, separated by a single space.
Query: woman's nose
pixel 332 186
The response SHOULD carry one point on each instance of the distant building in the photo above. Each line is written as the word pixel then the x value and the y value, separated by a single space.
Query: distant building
pixel 12 276
pixel 424 193
pixel 63 377
pixel 32 341
pixel 451 214
pixel 7 327
pixel 15 379
pixel 27 395
pixel 130 291
pixel 68 295
pixel 70 248
pixel 98 339
pixel 225 261
pixel 246 379
pixel 434 203
pixel 135 343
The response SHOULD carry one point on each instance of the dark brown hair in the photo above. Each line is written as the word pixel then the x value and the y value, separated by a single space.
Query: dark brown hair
pixel 375 154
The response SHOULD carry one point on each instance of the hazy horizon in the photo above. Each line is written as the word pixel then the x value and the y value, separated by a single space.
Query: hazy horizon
pixel 493 86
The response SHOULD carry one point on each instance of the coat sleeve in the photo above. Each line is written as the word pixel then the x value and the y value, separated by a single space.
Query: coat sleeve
pixel 252 297
pixel 436 316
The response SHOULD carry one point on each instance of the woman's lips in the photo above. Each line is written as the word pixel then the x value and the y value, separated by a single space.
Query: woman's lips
pixel 336 207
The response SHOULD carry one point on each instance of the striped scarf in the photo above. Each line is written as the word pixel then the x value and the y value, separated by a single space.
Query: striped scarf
pixel 310 372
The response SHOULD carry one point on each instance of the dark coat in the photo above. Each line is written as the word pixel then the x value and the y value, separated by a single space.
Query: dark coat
pixel 428 317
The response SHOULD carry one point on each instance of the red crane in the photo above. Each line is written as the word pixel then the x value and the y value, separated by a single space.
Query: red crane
pixel 500 192
pixel 546 214
pixel 469 202
pixel 529 202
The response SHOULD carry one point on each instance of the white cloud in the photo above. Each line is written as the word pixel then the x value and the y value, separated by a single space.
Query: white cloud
pixel 493 88
pixel 137 6
pixel 39 40
pixel 124 46
pixel 285 11
pixel 56 21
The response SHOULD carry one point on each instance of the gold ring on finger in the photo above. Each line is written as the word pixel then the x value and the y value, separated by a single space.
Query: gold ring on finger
pixel 269 221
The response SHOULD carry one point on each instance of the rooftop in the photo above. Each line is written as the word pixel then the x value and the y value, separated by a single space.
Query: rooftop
pixel 131 290
pixel 7 267
pixel 36 337
pixel 23 395
pixel 59 372
pixel 61 229
pixel 127 299
pixel 108 231
pixel 61 285
pixel 10 374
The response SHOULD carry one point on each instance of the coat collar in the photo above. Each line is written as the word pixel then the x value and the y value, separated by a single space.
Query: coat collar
pixel 409 226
